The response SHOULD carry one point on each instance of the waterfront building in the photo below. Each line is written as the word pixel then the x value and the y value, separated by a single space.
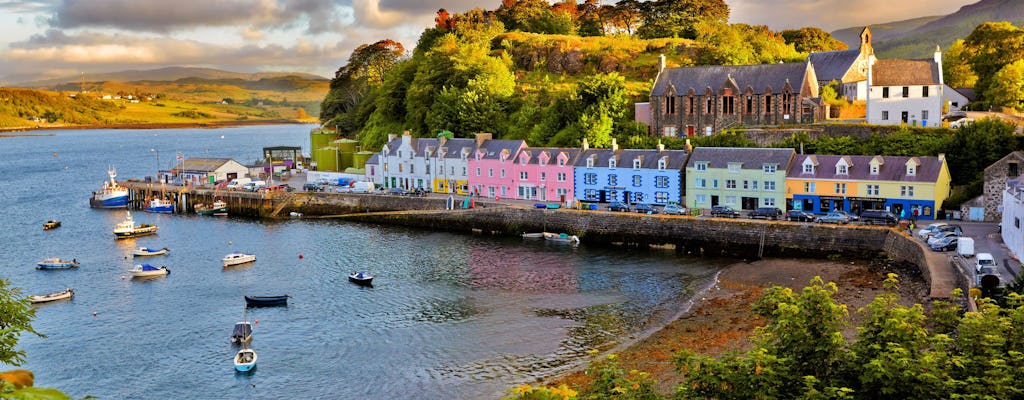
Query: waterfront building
pixel 373 170
pixel 208 170
pixel 492 166
pixel 446 161
pixel 1011 217
pixel 629 176
pixel 544 174
pixel 702 100
pixel 906 92
pixel 738 177
pixel 902 185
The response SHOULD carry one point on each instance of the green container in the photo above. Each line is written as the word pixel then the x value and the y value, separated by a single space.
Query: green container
pixel 320 138
pixel 360 158
pixel 346 149
pixel 326 158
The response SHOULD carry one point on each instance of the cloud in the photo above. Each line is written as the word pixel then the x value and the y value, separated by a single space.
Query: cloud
pixel 835 14
pixel 23 7
pixel 424 7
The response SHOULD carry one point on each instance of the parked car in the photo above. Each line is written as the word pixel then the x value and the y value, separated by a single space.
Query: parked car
pixel 949 228
pixel 872 217
pixel 946 244
pixel 766 213
pixel 398 191
pixel 674 209
pixel 923 233
pixel 985 265
pixel 617 206
pixel 833 218
pixel 311 187
pixel 941 235
pixel 848 215
pixel 645 208
pixel 724 211
pixel 800 216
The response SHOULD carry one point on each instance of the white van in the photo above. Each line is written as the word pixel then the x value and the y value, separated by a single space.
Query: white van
pixel 362 187
pixel 255 185
pixel 965 247
pixel 986 265
pixel 237 183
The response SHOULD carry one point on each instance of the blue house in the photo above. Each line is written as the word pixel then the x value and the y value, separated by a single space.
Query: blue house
pixel 629 176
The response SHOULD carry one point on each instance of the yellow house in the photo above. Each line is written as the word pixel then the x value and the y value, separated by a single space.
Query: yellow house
pixel 906 186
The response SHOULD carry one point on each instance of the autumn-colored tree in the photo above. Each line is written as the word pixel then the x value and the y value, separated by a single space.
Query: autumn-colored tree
pixel 956 66
pixel 624 16
pixel 993 45
pixel 1007 88
pixel 443 20
pixel 679 18
pixel 811 39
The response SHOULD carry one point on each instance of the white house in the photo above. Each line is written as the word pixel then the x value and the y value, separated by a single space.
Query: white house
pixel 956 99
pixel 435 164
pixel 1013 214
pixel 202 170
pixel 373 170
pixel 906 92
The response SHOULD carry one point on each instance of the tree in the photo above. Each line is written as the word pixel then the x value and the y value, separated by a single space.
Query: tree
pixel 590 112
pixel 679 18
pixel 1007 88
pixel 956 66
pixel 811 39
pixel 623 16
pixel 534 16
pixel 993 45
pixel 976 146
pixel 366 68
pixel 16 316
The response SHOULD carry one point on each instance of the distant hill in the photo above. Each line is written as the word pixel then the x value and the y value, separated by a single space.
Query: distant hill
pixel 166 74
pixel 916 38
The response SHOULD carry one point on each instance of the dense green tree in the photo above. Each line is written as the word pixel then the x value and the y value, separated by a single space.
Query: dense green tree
pixel 741 44
pixel 679 18
pixel 908 142
pixel 993 45
pixel 1007 88
pixel 15 318
pixel 956 66
pixel 977 145
pixel 811 39
pixel 534 16
pixel 365 71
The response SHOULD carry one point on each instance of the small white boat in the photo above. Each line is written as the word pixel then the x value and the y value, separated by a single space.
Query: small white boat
pixel 561 238
pixel 164 206
pixel 238 258
pixel 46 298
pixel 534 235
pixel 128 229
pixel 245 360
pixel 148 271
pixel 361 278
pixel 147 251
pixel 56 263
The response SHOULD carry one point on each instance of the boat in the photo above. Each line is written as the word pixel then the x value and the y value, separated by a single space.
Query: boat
pixel 266 301
pixel 127 228
pixel 561 238
pixel 533 235
pixel 57 263
pixel 361 278
pixel 245 360
pixel 46 298
pixel 238 258
pixel 159 205
pixel 242 332
pixel 148 271
pixel 146 251
pixel 111 194
pixel 51 224
pixel 218 208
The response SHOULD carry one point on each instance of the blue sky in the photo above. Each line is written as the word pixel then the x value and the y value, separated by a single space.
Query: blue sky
pixel 72 37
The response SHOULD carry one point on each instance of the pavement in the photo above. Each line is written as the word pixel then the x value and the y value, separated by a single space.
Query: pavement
pixel 987 239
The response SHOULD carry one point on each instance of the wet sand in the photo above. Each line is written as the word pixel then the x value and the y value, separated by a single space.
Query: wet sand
pixel 721 319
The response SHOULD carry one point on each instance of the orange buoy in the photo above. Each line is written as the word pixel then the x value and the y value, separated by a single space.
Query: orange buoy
pixel 256 322
pixel 300 256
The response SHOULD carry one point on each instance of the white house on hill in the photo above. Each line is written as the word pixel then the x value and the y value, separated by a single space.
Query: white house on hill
pixel 906 92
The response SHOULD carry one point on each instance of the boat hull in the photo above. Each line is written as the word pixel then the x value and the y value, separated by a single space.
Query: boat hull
pixel 109 202
pixel 56 265
pixel 266 301
pixel 51 225
pixel 149 274
pixel 143 253
pixel 159 209
pixel 141 230
pixel 245 360
pixel 364 281
pixel 228 262
pixel 47 298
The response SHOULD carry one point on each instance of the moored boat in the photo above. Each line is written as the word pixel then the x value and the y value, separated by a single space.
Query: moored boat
pixel 111 194
pixel 533 235
pixel 242 333
pixel 128 229
pixel 245 360
pixel 238 258
pixel 51 224
pixel 218 208
pixel 361 278
pixel 57 263
pixel 159 205
pixel 266 301
pixel 561 238
pixel 147 271
pixel 46 298
pixel 147 251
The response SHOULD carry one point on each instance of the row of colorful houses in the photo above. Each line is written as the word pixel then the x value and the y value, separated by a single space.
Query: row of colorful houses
pixel 742 178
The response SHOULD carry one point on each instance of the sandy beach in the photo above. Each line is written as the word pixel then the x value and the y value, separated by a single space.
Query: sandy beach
pixel 721 320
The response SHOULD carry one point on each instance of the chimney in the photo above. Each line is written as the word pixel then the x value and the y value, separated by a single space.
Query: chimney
pixel 942 157
pixel 938 63
pixel 661 147
pixel 689 147
pixel 407 138
pixel 661 62
pixel 615 146
pixel 392 136
pixel 481 137
pixel 586 146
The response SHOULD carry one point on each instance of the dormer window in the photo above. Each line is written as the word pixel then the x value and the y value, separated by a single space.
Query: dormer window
pixel 841 169
pixel 874 169
pixel 735 167
pixel 523 160
pixel 636 163
pixel 561 162
pixel 701 166
pixel 911 170
pixel 611 162
pixel 769 168
pixel 662 164
pixel 808 168
pixel 590 162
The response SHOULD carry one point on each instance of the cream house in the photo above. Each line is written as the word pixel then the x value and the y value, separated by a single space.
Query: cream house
pixel 906 92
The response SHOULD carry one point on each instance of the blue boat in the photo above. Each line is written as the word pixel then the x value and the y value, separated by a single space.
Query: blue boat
pixel 159 206
pixel 245 360
pixel 56 263
pixel 111 194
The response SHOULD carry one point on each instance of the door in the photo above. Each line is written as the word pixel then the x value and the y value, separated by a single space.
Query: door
pixel 603 196
pixel 714 201
pixel 689 131
pixel 903 117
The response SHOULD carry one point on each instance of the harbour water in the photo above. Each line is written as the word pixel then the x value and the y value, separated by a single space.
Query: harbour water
pixel 449 316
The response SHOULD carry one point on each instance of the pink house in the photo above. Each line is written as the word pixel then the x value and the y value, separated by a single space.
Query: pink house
pixel 544 174
pixel 492 166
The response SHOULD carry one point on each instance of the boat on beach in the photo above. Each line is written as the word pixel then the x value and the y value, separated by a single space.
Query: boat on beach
pixel 147 251
pixel 266 301
pixel 158 205
pixel 561 238
pixel 57 263
pixel 238 258
pixel 219 208
pixel 51 224
pixel 56 296
pixel 111 194
pixel 148 271
pixel 361 278
pixel 128 229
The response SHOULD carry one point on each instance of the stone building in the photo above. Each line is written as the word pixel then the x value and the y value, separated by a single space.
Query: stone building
pixel 996 175
pixel 691 101
pixel 849 68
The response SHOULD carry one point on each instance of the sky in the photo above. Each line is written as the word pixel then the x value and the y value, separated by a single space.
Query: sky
pixel 57 38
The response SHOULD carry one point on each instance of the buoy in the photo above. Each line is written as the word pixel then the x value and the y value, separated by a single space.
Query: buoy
pixel 300 256
pixel 94 313
pixel 122 277
pixel 229 243
pixel 256 322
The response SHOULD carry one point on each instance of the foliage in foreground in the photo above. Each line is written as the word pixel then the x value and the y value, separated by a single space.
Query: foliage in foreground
pixel 899 352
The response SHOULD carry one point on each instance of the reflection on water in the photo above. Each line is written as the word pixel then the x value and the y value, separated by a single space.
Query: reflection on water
pixel 449 316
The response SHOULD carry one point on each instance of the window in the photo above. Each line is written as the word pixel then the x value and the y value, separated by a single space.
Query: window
pixel 502 172
pixel 690 106
pixel 840 188
pixel 669 131
pixel 872 190
pixel 504 191
pixel 561 162
pixel 613 180
pixel 787 103
pixel 661 197
pixel 477 171
pixel 490 191
pixel 662 163
pixel 700 199
pixel 590 179
pixel 769 186
pixel 767 104
pixel 636 164
pixel 906 191
pixel 885 93
pixel 707 107
pixel 490 172
pixel 924 91
pixel 452 171
pixel 753 185
pixel 700 183
pixel 543 176
pixel 769 168
pixel 670 105
pixel 590 162
pixel 412 168
pixel 874 169
pixel 464 171
pixel 911 170
pixel 768 202
pixel 809 187
pixel 728 105
pixel 735 167
pixel 750 104
pixel 842 170
pixel 611 163
pixel 924 114
pixel 730 200
pixel 746 184
pixel 561 192
pixel 523 160
pixel 1012 170
pixel 590 194
pixel 906 91
pixel 636 180
pixel 523 176
pixel 701 166
pixel 714 183
pixel 730 184
pixel 637 196
pixel 661 181
pixel 885 115
pixel 561 177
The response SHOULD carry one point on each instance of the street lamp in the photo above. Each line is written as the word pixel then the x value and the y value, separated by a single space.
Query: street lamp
pixel 157 162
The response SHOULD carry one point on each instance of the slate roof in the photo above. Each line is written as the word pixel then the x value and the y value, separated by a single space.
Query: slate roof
pixel 202 164
pixel 553 153
pixel 894 168
pixel 393 146
pixel 374 159
pixel 493 148
pixel 968 93
pixel 757 77
pixel 624 158
pixel 832 65
pixel 905 73
pixel 751 157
